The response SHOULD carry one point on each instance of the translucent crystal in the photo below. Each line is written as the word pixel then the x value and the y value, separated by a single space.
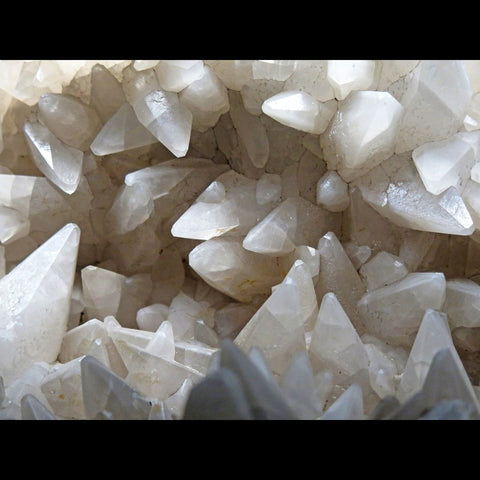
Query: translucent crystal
pixel 393 70
pixel 166 118
pixel 33 322
pixel 394 312
pixel 335 343
pixel 13 225
pixel 349 406
pixel 443 164
pixel 347 75
pixel 382 270
pixel 231 318
pixel 58 162
pixel 395 190
pixel 294 222
pixel 196 355
pixel 70 120
pixel 106 94
pixel 462 303
pixel 382 371
pixel 362 133
pixel 33 409
pixel 122 131
pixel 206 98
pixel 273 69
pixel 435 101
pixel 338 275
pixel 250 130
pixel 151 317
pixel 358 254
pixel 299 110
pixel 269 188
pixel 175 75
pixel 332 192
pixel 144 64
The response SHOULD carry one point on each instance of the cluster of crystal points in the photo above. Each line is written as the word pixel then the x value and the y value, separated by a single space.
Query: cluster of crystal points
pixel 240 239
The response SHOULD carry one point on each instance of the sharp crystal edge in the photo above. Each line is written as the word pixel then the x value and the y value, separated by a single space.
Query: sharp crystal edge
pixel 239 239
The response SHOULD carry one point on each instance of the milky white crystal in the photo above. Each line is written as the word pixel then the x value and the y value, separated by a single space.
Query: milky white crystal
pixel 335 343
pixel 433 336
pixel 394 313
pixel 273 69
pixel 347 75
pixel 70 120
pixel 395 190
pixel 106 93
pixel 269 188
pixel 13 225
pixel 362 133
pixel 462 303
pixel 175 75
pixel 162 113
pixel 443 164
pixel 358 254
pixel 299 110
pixel 332 192
pixel 349 406
pixel 151 317
pixel 144 64
pixel 58 162
pixel 34 321
pixel 162 342
pixel 122 131
pixel 382 270
pixel 435 101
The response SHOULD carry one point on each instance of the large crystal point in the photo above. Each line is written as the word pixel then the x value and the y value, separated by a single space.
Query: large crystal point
pixel 106 94
pixel 229 204
pixel 444 381
pixel 299 388
pixel 349 406
pixel 122 131
pixel 225 265
pixel 338 275
pixel 107 396
pixel 219 396
pixel 70 120
pixel 443 164
pixel 395 190
pixel 166 118
pixel 462 303
pixel 394 313
pixel 60 163
pixel 294 222
pixel 33 320
pixel 362 133
pixel 278 327
pixel 299 110
pixel 436 99
pixel 33 409
pixel 265 401
pixel 335 343
pixel 175 75
pixel 433 336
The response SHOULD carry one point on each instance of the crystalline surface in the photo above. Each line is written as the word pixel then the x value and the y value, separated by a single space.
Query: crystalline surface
pixel 332 192
pixel 462 303
pixel 175 75
pixel 349 406
pixel 106 93
pixel 58 162
pixel 33 322
pixel 33 409
pixel 347 75
pixel 394 312
pixel 69 119
pixel 299 110
pixel 362 133
pixel 382 270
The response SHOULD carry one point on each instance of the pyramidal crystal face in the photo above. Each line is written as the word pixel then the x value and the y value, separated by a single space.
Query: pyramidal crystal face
pixel 33 321
pixel 58 162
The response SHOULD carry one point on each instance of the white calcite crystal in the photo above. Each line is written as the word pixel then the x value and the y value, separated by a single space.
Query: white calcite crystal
pixel 435 100
pixel 332 192
pixel 443 164
pixel 394 312
pixel 33 322
pixel 362 133
pixel 239 239
pixel 347 75
pixel 299 110
pixel 58 162
pixel 382 270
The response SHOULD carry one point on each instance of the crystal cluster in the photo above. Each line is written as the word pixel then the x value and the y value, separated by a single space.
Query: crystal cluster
pixel 239 239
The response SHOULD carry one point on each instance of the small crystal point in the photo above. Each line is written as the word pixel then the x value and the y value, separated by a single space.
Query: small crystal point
pixel 33 321
pixel 33 409
pixel 220 396
pixel 106 395
pixel 60 163
pixel 349 406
